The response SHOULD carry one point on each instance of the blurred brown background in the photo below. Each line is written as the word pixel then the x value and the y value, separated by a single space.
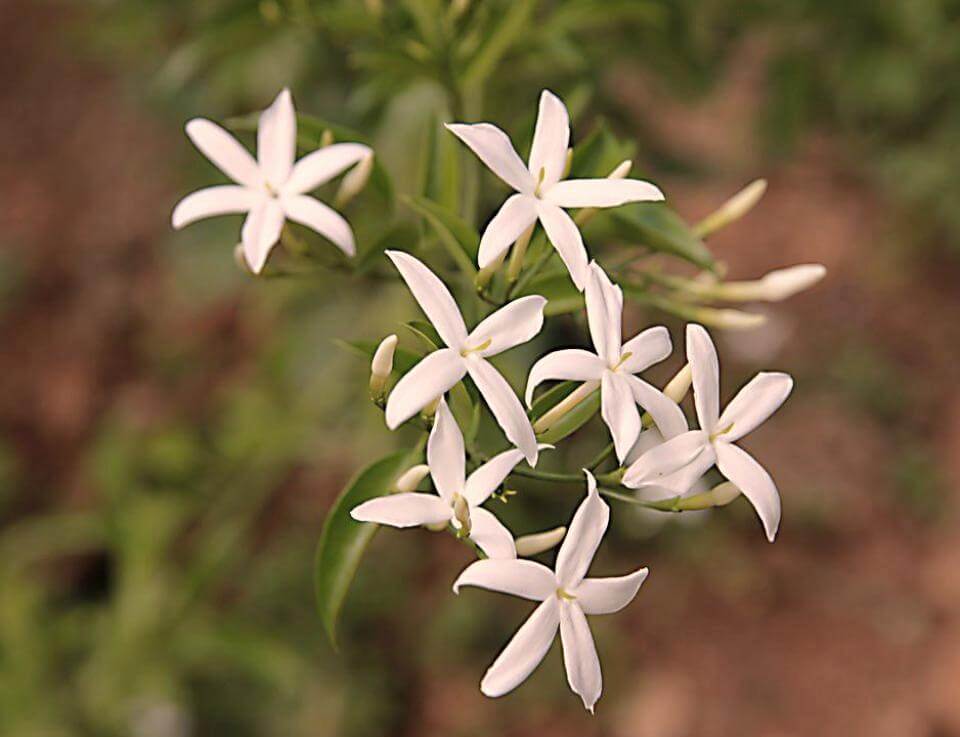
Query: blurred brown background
pixel 167 457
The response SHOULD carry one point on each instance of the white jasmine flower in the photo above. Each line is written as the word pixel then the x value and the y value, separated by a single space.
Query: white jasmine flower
pixel 692 453
pixel 541 191
pixel 566 598
pixel 614 366
pixel 272 188
pixel 465 353
pixel 458 498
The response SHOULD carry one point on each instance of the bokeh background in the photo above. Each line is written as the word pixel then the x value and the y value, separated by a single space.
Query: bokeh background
pixel 172 432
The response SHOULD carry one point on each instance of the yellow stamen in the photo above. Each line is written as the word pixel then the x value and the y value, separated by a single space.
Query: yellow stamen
pixel 623 359
pixel 723 431
pixel 483 346
pixel 564 594
pixel 540 178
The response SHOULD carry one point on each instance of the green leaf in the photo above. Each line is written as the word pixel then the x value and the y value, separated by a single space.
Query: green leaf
pixel 560 292
pixel 441 175
pixel 599 153
pixel 343 540
pixel 512 26
pixel 655 225
pixel 461 241
pixel 573 420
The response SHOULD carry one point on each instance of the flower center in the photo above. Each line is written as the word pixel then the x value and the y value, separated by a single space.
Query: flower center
pixel 623 359
pixel 540 177
pixel 484 345
pixel 461 515
pixel 722 431
pixel 564 594
pixel 270 190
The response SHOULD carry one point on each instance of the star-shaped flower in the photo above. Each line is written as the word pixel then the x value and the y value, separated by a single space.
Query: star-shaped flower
pixel 458 497
pixel 542 193
pixel 466 353
pixel 273 188
pixel 566 598
pixel 690 454
pixel 614 366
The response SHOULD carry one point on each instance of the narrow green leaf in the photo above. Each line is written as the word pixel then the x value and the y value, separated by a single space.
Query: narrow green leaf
pixel 573 420
pixel 656 226
pixel 512 26
pixel 461 241
pixel 441 175
pixel 343 540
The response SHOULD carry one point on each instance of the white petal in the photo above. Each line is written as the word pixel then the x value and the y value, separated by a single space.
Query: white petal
pixel 261 231
pixel 505 406
pixel 663 460
pixel 602 192
pixel 204 203
pixel 426 381
pixel 755 483
pixel 445 454
pixel 483 481
pixel 322 165
pixel 608 595
pixel 702 357
pixel 494 149
pixel 325 220
pixel 565 237
pixel 646 440
pixel 666 413
pixel 645 349
pixel 225 152
pixel 524 652
pixel 524 578
pixel 580 655
pixel 511 325
pixel 679 482
pixel 490 535
pixel 403 510
pixel 619 412
pixel 570 364
pixel 277 139
pixel 583 537
pixel 517 214
pixel 550 140
pixel 759 399
pixel 432 296
pixel 604 313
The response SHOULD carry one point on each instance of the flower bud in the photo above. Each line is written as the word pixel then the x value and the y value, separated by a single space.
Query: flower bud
pixel 381 367
pixel 784 283
pixel 410 479
pixel 326 138
pixel 354 181
pixel 729 319
pixel 679 385
pixel 733 209
pixel 485 274
pixel 461 514
pixel 724 493
pixel 540 542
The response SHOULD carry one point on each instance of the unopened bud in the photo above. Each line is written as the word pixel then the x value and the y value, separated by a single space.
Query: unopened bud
pixel 784 283
pixel 561 408
pixel 461 514
pixel 540 542
pixel 382 366
pixel 354 181
pixel 724 493
pixel 485 274
pixel 430 409
pixel 676 389
pixel 326 138
pixel 410 479
pixel 729 319
pixel 518 254
pixel 733 209
pixel 241 260
pixel 567 163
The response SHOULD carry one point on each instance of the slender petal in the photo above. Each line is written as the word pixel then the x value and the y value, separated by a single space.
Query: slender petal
pixel 322 165
pixel 663 460
pixel 505 406
pixel 646 440
pixel 510 326
pixel 604 312
pixel 754 481
pixel 482 482
pixel 433 297
pixel 225 152
pixel 524 578
pixel 517 214
pixel 426 381
pixel 759 399
pixel 325 220
pixel 490 535
pixel 580 655
pixel 548 151
pixel 565 237
pixel 679 482
pixel 403 510
pixel 619 412
pixel 261 231
pixel 445 454
pixel 583 536
pixel 204 203
pixel 666 413
pixel 602 192
pixel 702 356
pixel 645 349
pixel 494 149
pixel 571 364
pixel 608 595
pixel 277 139
pixel 524 652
